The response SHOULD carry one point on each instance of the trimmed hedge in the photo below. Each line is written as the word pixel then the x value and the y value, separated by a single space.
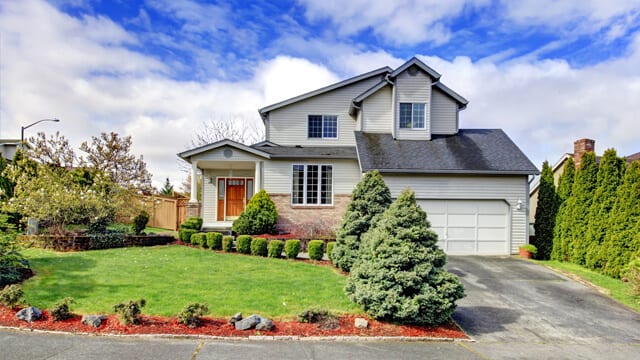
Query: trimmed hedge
pixel 315 249
pixel 227 243
pixel 259 247
pixel 292 248
pixel 199 239
pixel 214 240
pixel 243 244
pixel 330 246
pixel 185 235
pixel 275 248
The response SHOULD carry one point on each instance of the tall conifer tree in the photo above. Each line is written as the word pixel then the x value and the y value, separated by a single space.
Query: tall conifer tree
pixel 579 204
pixel 560 232
pixel 545 216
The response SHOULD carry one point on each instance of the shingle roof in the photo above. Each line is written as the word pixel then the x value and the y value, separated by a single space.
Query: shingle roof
pixel 309 152
pixel 474 151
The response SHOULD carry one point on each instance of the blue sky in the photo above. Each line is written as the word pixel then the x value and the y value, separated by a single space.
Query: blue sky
pixel 545 71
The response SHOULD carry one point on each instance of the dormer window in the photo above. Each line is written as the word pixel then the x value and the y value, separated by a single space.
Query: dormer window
pixel 412 115
pixel 323 127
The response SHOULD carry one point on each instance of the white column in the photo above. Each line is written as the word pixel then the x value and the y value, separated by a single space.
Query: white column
pixel 194 182
pixel 257 179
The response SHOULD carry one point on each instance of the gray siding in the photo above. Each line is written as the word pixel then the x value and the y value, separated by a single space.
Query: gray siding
pixel 377 112
pixel 288 125
pixel 444 112
pixel 507 188
pixel 210 191
pixel 277 175
pixel 413 89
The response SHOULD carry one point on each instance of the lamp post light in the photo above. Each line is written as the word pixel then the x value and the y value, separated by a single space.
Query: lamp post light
pixel 23 128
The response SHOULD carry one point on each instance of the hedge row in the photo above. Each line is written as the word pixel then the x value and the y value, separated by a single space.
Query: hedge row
pixel 93 242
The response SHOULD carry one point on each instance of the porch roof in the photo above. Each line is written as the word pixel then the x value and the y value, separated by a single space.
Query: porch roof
pixel 188 154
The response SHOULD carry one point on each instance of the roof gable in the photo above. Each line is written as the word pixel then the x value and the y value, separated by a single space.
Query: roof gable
pixel 422 66
pixel 188 154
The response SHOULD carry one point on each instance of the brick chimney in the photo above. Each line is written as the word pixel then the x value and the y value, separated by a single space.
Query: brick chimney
pixel 580 147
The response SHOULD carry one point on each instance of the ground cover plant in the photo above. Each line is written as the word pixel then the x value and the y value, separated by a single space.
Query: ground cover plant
pixel 169 277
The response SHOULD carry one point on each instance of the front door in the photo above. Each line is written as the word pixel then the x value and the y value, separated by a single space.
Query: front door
pixel 235 197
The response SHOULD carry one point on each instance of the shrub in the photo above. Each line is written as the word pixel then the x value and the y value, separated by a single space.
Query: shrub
pixel 545 216
pixel 275 248
pixel 313 315
pixel 199 239
pixel 108 240
pixel 259 247
pixel 12 296
pixel 13 267
pixel 129 312
pixel 194 223
pixel 530 248
pixel 243 244
pixel 185 235
pixel 632 276
pixel 292 248
pixel 214 240
pixel 60 311
pixel 315 249
pixel 399 275
pixel 330 246
pixel 227 243
pixel 191 315
pixel 140 222
pixel 259 217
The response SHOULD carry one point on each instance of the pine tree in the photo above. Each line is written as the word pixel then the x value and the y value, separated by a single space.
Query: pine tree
pixel 399 275
pixel 610 173
pixel 545 216
pixel 369 200
pixel 622 240
pixel 561 233
pixel 579 204
pixel 167 189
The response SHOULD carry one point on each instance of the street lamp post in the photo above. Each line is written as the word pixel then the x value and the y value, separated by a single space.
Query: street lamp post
pixel 23 128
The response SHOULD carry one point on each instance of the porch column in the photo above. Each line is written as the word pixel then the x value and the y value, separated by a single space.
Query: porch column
pixel 194 182
pixel 257 182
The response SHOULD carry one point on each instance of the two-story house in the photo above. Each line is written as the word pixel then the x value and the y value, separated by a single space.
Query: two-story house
pixel 403 122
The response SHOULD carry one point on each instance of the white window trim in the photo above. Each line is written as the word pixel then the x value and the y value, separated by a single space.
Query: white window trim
pixel 424 127
pixel 324 138
pixel 304 185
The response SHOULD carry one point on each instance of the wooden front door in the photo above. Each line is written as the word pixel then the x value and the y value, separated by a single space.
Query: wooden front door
pixel 235 197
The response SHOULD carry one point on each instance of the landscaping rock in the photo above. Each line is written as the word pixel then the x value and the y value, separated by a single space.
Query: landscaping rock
pixel 235 318
pixel 361 323
pixel 93 320
pixel 265 324
pixel 248 323
pixel 29 314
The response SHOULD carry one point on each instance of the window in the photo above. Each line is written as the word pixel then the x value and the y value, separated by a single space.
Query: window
pixel 323 127
pixel 312 185
pixel 412 115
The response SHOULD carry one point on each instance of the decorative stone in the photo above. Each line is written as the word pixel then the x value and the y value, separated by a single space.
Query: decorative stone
pixel 93 320
pixel 265 324
pixel 29 314
pixel 248 323
pixel 361 323
pixel 235 318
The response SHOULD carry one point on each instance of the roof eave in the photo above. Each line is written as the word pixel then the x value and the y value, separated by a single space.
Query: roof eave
pixel 415 61
pixel 188 154
pixel 457 172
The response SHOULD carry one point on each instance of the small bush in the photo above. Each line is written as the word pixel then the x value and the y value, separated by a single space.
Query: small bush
pixel 259 217
pixel 330 246
pixel 201 239
pixel 530 248
pixel 315 249
pixel 60 311
pixel 259 247
pixel 194 223
pixel 191 315
pixel 275 248
pixel 314 315
pixel 140 222
pixel 214 240
pixel 292 248
pixel 185 235
pixel 243 244
pixel 227 243
pixel 12 296
pixel 632 276
pixel 130 312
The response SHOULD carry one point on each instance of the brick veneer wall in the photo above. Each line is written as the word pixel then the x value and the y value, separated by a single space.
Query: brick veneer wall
pixel 309 222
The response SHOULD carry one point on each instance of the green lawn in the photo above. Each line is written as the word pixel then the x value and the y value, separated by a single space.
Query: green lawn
pixel 169 277
pixel 617 289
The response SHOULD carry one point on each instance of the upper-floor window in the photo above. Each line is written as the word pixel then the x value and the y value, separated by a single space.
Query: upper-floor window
pixel 323 127
pixel 412 115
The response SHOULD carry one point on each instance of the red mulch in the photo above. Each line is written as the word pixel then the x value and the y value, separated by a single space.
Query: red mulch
pixel 220 327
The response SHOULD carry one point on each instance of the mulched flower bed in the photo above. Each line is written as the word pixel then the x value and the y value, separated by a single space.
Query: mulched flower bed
pixel 220 327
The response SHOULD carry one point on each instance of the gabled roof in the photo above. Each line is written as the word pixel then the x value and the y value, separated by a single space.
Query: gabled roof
pixel 186 155
pixel 309 152
pixel 383 70
pixel 462 101
pixel 415 61
pixel 471 151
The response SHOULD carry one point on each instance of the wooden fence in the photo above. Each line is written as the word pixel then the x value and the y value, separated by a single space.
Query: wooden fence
pixel 165 212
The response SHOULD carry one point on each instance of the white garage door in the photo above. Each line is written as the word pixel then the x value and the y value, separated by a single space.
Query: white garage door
pixel 469 226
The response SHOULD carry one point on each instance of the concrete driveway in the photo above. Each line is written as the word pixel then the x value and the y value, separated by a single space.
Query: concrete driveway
pixel 516 301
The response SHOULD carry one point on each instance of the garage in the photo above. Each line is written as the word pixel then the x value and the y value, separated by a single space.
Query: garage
pixel 470 226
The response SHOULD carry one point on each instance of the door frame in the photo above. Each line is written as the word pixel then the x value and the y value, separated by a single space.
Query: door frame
pixel 249 188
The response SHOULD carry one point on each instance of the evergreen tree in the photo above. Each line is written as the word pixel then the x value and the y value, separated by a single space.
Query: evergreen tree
pixel 579 204
pixel 565 183
pixel 545 216
pixel 369 200
pixel 167 189
pixel 622 239
pixel 399 275
pixel 610 174
pixel 259 217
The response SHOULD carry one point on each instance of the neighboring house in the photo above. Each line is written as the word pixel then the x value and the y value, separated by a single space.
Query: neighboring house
pixel 580 146
pixel 473 183
pixel 8 148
